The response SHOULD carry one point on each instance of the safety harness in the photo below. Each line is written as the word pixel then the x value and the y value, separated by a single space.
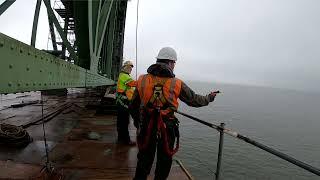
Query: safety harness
pixel 158 108
pixel 124 90
pixel 122 100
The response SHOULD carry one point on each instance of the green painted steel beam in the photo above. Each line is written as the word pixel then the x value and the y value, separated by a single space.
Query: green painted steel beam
pixel 60 30
pixel 24 68
pixel 94 7
pixel 110 38
pixel 106 10
pixel 5 5
pixel 35 23
pixel 81 20
pixel 96 25
pixel 93 13
pixel 105 13
pixel 119 39
pixel 52 33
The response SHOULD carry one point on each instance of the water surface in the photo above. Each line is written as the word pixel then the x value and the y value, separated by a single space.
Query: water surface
pixel 286 120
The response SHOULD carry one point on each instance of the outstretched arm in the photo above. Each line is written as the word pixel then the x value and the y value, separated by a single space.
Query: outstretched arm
pixel 131 83
pixel 188 96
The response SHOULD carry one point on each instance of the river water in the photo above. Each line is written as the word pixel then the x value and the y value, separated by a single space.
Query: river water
pixel 285 120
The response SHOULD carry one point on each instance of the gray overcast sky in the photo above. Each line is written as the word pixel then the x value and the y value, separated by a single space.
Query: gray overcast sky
pixel 260 42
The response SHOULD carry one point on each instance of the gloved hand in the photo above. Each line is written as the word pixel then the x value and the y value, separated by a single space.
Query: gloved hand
pixel 212 95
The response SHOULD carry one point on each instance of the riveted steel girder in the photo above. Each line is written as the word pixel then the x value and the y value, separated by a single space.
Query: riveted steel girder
pixel 98 12
pixel 60 30
pixel 106 10
pixel 35 23
pixel 24 68
pixel 110 42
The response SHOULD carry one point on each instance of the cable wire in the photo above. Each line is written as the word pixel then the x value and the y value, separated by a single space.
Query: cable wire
pixel 44 136
pixel 137 23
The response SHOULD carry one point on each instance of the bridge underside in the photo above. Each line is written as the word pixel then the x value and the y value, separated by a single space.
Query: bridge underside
pixel 93 59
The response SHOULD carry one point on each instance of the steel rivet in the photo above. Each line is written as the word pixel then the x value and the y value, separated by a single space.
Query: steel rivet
pixel 21 51
pixel 9 84
pixel 1 44
pixel 27 84
pixel 40 70
pixel 10 66
pixel 28 69
pixel 19 84
pixel 45 84
pixel 11 47
pixel 34 84
pixel 29 53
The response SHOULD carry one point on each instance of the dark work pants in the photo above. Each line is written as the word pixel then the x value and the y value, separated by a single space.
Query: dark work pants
pixel 122 124
pixel 146 157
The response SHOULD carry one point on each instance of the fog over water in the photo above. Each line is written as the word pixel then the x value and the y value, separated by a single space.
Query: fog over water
pixel 267 42
pixel 285 120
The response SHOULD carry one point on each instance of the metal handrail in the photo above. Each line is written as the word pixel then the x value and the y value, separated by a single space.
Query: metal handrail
pixel 246 139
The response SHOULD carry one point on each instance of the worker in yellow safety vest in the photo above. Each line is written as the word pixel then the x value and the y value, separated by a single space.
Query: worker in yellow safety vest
pixel 152 107
pixel 125 89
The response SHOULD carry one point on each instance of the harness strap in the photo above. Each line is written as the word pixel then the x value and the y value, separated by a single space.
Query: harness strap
pixel 172 85
pixel 120 99
pixel 157 107
pixel 144 144
pixel 143 84
pixel 162 129
pixel 165 140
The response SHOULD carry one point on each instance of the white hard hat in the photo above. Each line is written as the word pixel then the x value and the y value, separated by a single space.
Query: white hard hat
pixel 128 63
pixel 167 53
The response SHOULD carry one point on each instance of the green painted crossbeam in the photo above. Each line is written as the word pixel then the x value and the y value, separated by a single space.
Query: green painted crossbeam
pixel 24 68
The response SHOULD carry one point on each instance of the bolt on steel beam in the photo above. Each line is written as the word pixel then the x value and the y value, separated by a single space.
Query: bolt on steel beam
pixel 24 68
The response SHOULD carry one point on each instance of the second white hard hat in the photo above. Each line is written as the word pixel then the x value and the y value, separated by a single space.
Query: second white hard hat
pixel 167 53
pixel 128 63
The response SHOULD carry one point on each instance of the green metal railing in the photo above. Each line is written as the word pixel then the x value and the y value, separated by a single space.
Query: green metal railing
pixel 221 128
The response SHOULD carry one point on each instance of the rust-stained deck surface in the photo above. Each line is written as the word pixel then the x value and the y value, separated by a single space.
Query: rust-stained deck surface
pixel 72 153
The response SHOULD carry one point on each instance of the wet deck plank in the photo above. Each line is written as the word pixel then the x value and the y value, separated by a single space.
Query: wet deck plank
pixel 72 152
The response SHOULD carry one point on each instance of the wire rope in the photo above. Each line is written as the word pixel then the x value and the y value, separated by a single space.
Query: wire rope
pixel 44 136
pixel 137 25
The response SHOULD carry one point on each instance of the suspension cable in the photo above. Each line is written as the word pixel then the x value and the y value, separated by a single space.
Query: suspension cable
pixel 137 23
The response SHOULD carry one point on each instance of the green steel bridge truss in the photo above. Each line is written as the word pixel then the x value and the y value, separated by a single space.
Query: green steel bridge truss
pixel 98 26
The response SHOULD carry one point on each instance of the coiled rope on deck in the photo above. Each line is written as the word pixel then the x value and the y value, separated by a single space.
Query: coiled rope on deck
pixel 14 136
